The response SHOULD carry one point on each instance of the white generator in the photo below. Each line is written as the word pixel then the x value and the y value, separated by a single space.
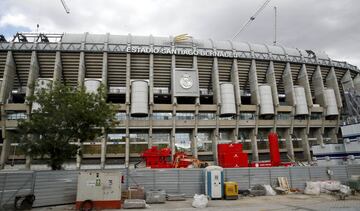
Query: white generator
pixel 214 182
pixel 98 190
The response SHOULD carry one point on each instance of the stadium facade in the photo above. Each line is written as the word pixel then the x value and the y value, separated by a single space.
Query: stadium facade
pixel 183 93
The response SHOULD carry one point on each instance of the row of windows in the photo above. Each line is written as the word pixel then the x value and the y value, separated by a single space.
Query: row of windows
pixel 212 116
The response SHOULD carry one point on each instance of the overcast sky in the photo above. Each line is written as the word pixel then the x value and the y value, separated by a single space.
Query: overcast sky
pixel 332 26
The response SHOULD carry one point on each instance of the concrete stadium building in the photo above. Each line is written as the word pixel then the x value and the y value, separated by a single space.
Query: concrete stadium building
pixel 183 93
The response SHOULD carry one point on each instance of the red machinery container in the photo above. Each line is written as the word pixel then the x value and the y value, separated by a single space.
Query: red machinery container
pixel 274 149
pixel 156 158
pixel 231 155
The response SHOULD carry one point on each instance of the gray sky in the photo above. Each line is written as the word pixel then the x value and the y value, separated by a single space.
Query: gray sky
pixel 332 26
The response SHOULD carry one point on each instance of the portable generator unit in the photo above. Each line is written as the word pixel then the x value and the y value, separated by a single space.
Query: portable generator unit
pixel 231 190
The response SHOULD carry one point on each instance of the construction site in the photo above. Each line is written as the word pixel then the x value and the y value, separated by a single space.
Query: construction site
pixel 197 120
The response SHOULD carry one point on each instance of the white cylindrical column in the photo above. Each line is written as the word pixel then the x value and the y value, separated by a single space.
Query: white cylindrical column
pixel 228 106
pixel 266 100
pixel 330 100
pixel 301 104
pixel 139 98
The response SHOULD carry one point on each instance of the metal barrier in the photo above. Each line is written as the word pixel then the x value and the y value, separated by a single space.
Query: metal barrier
pixel 59 187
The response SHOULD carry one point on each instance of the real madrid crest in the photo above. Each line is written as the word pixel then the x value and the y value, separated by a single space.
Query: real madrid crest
pixel 186 81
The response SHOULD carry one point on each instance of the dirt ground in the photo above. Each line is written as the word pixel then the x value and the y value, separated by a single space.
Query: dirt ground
pixel 298 202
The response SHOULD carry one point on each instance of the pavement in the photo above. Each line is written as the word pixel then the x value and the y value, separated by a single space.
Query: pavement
pixel 298 202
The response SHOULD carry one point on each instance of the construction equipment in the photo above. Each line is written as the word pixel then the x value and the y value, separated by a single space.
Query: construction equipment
pixel 155 158
pixel 231 190
pixel 252 18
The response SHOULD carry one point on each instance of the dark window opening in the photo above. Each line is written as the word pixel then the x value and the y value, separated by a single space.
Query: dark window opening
pixel 162 99
pixel 185 100
pixel 206 99
pixel 116 98
pixel 333 117
pixel 246 100
pixel 17 98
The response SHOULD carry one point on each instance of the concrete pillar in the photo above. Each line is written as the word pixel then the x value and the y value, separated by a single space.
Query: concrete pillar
pixel 271 80
pixel 331 82
pixel 217 100
pixel 197 104
pixel 319 137
pixel 289 144
pixel 6 87
pixel 318 85
pixel 33 75
pixel 236 83
pixel 289 86
pixel 254 87
pixel 151 98
pixel 357 82
pixel 105 137
pixel 58 70
pixel 174 103
pixel 8 78
pixel 127 102
pixel 303 80
pixel 305 144
pixel 347 82
pixel 254 147
pixel 81 77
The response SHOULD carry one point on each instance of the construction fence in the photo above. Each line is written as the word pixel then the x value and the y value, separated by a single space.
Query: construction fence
pixel 59 187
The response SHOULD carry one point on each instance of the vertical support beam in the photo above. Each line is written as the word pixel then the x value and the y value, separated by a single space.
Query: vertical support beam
pixel 319 137
pixel 305 144
pixel 197 104
pixel 331 82
pixel 289 86
pixel 151 98
pixel 82 69
pixel 217 100
pixel 255 99
pixel 271 80
pixel 81 77
pixel 58 70
pixel 236 83
pixel 357 82
pixel 254 147
pixel 104 73
pixel 347 82
pixel 289 144
pixel 8 78
pixel 127 102
pixel 174 103
pixel 303 80
pixel 318 84
pixel 6 87
pixel 33 75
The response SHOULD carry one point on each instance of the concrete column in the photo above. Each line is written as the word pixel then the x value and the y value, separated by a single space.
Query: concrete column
pixel 103 149
pixel 305 144
pixel 319 137
pixel 271 80
pixel 8 78
pixel 357 82
pixel 289 144
pixel 127 102
pixel 331 82
pixel 174 103
pixel 217 100
pixel 58 70
pixel 289 86
pixel 197 104
pixel 6 87
pixel 254 87
pixel 151 98
pixel 347 82
pixel 303 80
pixel 33 75
pixel 318 85
pixel 81 77
pixel 103 145
pixel 236 83
pixel 82 69
pixel 254 147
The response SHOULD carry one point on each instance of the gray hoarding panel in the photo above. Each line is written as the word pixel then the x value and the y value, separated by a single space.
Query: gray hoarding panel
pixel 259 176
pixel 167 180
pixel 14 184
pixel 239 175
pixel 191 181
pixel 55 187
pixel 279 172
pixel 142 177
pixel 339 173
pixel 299 176
pixel 318 173
pixel 353 170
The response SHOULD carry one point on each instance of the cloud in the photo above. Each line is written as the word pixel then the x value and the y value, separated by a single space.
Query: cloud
pixel 326 25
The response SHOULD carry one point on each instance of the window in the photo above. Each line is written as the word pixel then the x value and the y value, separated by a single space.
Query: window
pixel 204 142
pixel 120 116
pixel 162 116
pixel 16 116
pixel 183 142
pixel 206 116
pixel 161 137
pixel 247 116
pixel 117 137
pixel 139 137
pixel 283 116
pixel 315 116
pixel 184 116
pixel 228 117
